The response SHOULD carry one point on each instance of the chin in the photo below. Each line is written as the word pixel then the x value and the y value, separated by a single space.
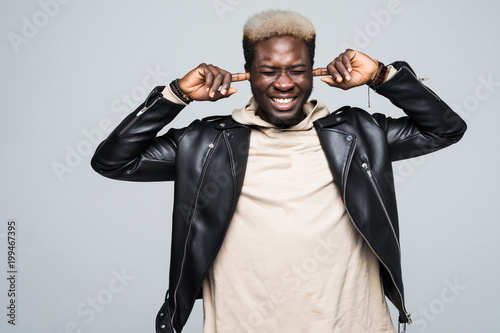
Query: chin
pixel 285 122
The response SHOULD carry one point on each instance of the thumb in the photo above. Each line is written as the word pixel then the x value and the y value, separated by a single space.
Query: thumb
pixel 219 95
pixel 329 80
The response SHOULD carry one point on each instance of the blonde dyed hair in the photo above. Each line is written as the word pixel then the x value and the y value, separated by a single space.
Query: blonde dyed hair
pixel 277 23
pixel 274 23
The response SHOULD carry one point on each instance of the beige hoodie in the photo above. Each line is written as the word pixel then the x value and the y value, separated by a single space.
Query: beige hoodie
pixel 291 260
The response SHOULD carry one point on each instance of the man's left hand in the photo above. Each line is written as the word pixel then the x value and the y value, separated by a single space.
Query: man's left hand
pixel 350 69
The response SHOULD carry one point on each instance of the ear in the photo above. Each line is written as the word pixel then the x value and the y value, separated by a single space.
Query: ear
pixel 247 68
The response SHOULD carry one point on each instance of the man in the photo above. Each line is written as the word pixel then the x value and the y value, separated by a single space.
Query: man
pixel 285 214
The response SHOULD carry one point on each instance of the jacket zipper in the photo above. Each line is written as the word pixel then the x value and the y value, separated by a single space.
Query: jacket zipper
pixel 368 171
pixel 423 85
pixel 141 111
pixel 408 315
pixel 212 147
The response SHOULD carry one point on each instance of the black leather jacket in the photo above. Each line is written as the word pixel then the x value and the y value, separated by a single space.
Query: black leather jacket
pixel 207 161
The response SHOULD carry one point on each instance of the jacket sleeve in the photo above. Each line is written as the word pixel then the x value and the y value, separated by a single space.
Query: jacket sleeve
pixel 133 151
pixel 430 123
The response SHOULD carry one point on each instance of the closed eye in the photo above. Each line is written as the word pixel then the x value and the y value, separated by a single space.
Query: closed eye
pixel 273 73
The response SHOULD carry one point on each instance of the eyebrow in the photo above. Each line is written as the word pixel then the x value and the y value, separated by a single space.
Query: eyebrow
pixel 291 67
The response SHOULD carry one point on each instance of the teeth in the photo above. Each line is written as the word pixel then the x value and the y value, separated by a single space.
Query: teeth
pixel 283 100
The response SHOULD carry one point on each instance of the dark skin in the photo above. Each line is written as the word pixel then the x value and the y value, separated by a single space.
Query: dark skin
pixel 281 78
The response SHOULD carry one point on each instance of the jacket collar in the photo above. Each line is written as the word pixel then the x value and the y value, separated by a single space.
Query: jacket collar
pixel 225 123
pixel 333 119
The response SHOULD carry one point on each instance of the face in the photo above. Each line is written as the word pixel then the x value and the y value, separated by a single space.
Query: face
pixel 281 80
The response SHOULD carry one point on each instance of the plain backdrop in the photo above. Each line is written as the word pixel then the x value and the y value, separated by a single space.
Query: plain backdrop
pixel 92 254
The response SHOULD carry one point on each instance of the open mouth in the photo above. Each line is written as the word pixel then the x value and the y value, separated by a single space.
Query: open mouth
pixel 283 104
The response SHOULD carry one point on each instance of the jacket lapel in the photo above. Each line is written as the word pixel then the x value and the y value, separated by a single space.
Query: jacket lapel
pixel 237 139
pixel 338 145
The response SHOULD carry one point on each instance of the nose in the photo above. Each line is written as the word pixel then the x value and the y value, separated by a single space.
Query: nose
pixel 283 82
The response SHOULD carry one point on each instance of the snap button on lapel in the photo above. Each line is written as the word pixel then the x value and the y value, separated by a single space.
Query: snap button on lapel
pixel 222 124
pixel 211 145
pixel 338 119
pixel 348 138
pixel 230 136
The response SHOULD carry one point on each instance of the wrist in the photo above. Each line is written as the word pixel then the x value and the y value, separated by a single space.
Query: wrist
pixel 174 86
pixel 379 76
pixel 169 95
pixel 374 72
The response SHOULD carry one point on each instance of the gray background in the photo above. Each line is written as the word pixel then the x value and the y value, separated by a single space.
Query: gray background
pixel 71 70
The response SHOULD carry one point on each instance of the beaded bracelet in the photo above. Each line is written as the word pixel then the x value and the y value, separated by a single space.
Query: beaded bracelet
pixel 379 76
pixel 174 86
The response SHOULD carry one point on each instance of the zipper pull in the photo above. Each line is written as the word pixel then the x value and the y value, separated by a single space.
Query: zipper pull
pixel 408 316
pixel 141 111
pixel 367 169
pixel 146 107
pixel 369 104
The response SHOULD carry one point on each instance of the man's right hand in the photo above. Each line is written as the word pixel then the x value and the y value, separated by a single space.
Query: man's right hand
pixel 207 83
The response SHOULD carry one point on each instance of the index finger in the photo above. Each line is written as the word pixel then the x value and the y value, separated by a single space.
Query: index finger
pixel 320 72
pixel 240 77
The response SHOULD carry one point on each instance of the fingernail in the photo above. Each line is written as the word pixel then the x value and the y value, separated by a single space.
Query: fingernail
pixel 212 94
pixel 223 91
